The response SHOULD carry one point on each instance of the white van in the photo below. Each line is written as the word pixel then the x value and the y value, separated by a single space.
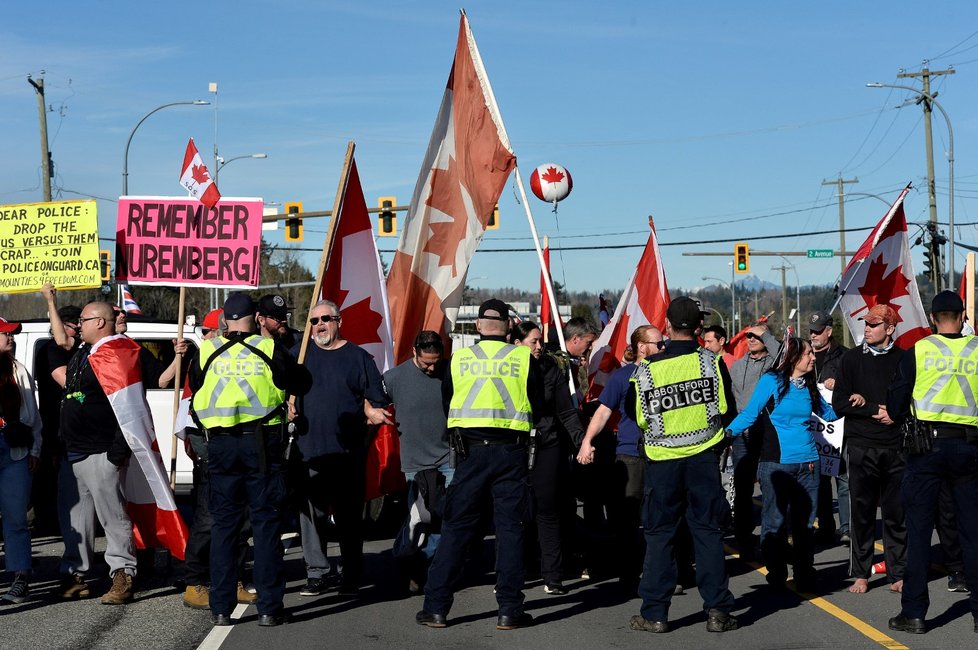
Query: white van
pixel 158 338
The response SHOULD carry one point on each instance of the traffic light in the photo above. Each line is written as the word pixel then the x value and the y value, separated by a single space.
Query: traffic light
pixel 387 221
pixel 104 264
pixel 493 219
pixel 293 225
pixel 929 259
pixel 741 258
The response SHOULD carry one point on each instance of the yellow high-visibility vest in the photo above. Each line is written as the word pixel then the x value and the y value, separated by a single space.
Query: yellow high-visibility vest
pixel 947 379
pixel 489 381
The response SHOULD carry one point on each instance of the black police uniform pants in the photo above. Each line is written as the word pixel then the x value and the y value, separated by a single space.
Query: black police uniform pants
pixel 238 484
pixel 957 460
pixel 197 566
pixel 498 471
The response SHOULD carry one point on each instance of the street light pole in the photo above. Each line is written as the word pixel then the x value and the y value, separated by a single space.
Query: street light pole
pixel 927 98
pixel 125 157
pixel 733 300
pixel 797 293
pixel 222 163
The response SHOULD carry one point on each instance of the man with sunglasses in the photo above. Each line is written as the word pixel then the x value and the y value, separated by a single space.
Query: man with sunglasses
pixel 745 450
pixel 873 449
pixel 347 395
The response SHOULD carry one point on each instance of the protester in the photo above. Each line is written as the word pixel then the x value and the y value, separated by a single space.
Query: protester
pixel 745 450
pixel 240 384
pixel 20 452
pixel 414 388
pixel 490 395
pixel 197 573
pixel 934 378
pixel 94 470
pixel 558 432
pixel 715 340
pixel 680 438
pixel 828 356
pixel 347 395
pixel 273 316
pixel 873 449
pixel 788 469
pixel 625 512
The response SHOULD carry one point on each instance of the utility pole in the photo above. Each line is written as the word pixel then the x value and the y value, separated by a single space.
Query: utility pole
pixel 45 154
pixel 784 294
pixel 925 75
pixel 842 237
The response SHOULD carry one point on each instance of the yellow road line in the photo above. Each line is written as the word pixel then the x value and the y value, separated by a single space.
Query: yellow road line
pixel 857 624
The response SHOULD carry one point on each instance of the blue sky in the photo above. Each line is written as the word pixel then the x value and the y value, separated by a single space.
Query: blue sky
pixel 720 119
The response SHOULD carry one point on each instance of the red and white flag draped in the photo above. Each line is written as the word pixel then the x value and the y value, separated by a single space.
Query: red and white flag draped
pixel 195 177
pixel 881 272
pixel 354 278
pixel 155 520
pixel 548 320
pixel 644 302
pixel 464 171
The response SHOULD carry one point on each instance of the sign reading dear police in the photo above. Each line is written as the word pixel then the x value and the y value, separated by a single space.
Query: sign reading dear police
pixel 54 242
pixel 177 241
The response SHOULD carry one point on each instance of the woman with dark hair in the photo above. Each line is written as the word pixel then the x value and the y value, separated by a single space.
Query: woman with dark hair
pixel 558 434
pixel 784 400
pixel 20 449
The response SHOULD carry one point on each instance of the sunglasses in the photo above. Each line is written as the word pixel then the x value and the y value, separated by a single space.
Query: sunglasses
pixel 658 344
pixel 751 335
pixel 874 325
pixel 326 319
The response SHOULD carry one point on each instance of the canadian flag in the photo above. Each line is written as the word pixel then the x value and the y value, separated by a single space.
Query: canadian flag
pixel 464 171
pixel 644 302
pixel 195 177
pixel 354 278
pixel 152 508
pixel 129 304
pixel 547 319
pixel 881 272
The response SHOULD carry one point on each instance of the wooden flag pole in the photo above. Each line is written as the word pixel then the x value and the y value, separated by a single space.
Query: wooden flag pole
pixel 969 272
pixel 328 244
pixel 177 389
pixel 546 329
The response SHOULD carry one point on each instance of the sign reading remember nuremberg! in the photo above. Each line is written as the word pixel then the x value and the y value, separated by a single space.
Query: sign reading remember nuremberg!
pixel 177 241
pixel 54 242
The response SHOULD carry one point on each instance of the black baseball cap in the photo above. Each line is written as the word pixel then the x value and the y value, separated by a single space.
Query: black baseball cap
pixel 684 313
pixel 494 309
pixel 238 305
pixel 275 306
pixel 946 301
pixel 819 320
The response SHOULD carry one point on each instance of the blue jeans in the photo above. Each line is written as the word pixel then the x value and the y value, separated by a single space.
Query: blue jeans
pixel 689 486
pixel 15 491
pixel 956 460
pixel 788 490
pixel 498 471
pixel 448 472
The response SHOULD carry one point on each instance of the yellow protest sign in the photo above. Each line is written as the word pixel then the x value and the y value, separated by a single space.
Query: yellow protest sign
pixel 53 242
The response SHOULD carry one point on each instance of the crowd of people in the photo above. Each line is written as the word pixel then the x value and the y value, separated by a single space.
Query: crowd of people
pixel 497 438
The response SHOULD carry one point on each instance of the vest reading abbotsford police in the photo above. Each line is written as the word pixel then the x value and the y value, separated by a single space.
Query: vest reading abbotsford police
pixel 489 387
pixel 678 404
pixel 947 379
pixel 238 386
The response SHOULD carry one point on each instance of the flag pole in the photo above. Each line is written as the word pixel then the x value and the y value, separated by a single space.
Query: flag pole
pixel 177 388
pixel 969 272
pixel 544 322
pixel 328 244
pixel 543 265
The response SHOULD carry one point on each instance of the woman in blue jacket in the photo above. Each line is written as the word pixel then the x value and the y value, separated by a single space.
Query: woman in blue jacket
pixel 788 472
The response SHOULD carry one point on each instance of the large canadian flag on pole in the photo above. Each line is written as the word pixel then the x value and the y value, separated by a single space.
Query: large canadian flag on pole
pixel 464 171
pixel 354 278
pixel 644 302
pixel 881 272
pixel 152 508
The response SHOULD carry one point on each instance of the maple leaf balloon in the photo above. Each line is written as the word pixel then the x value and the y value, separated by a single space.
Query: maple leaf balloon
pixel 551 183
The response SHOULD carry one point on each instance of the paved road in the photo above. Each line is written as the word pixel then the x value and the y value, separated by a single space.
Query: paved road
pixel 592 615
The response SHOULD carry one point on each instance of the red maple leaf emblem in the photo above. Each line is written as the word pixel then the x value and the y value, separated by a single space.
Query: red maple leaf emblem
pixel 880 288
pixel 552 175
pixel 361 324
pixel 446 197
pixel 200 174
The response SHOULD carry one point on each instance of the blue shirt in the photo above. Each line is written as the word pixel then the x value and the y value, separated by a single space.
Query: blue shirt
pixel 613 396
pixel 791 418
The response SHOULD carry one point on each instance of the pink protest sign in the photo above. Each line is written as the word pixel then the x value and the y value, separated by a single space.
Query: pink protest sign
pixel 177 241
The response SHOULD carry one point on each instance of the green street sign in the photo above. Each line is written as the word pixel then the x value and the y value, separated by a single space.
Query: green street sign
pixel 820 253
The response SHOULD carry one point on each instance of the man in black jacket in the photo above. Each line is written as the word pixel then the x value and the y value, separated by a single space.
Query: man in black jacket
pixel 873 449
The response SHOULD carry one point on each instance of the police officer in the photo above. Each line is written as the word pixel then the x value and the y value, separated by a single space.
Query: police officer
pixel 679 397
pixel 489 395
pixel 240 384
pixel 940 376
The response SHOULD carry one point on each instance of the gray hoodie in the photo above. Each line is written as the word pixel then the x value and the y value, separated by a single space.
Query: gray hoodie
pixel 747 370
